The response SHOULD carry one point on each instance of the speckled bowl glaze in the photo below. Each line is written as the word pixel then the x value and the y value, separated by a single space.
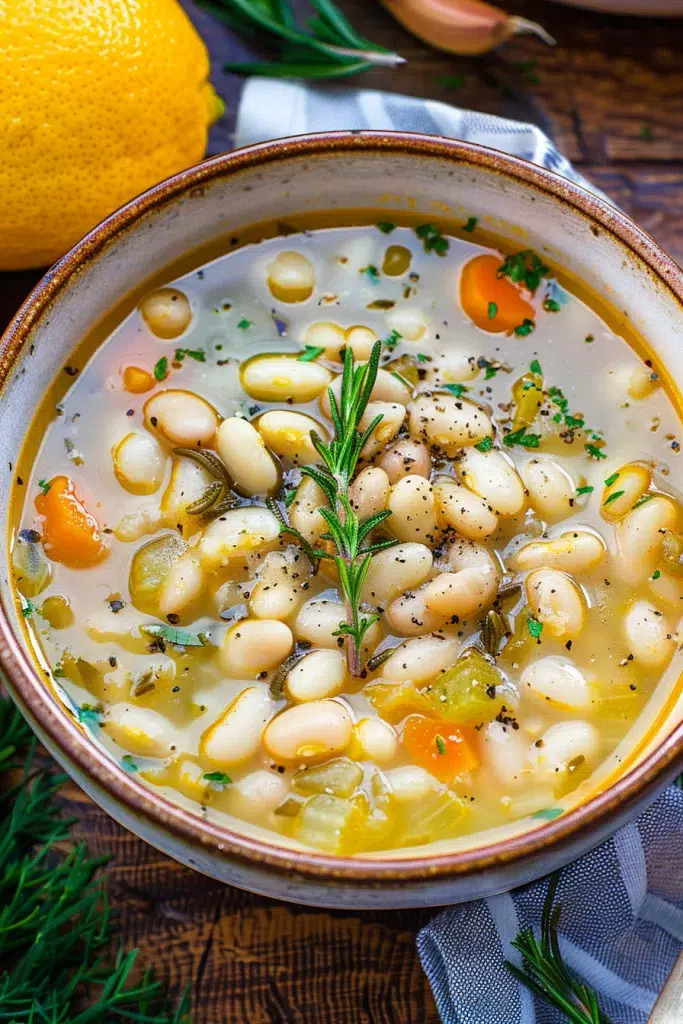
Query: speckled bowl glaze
pixel 387 172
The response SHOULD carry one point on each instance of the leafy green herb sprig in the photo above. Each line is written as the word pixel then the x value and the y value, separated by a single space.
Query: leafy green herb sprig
pixel 331 48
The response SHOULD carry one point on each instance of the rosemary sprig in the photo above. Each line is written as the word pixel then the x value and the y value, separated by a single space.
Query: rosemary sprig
pixel 545 972
pixel 346 531
pixel 330 49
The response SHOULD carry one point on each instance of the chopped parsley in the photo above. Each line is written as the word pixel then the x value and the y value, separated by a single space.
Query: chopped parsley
pixel 197 354
pixel 470 224
pixel 28 609
pixel 393 340
pixel 422 358
pixel 588 489
pixel 386 227
pixel 551 306
pixel 594 451
pixel 432 239
pixel 88 714
pixel 611 479
pixel 456 389
pixel 44 486
pixel 128 763
pixel 492 310
pixel 589 338
pixel 525 328
pixel 485 445
pixel 655 575
pixel 524 268
pixel 613 497
pixel 245 324
pixel 535 367
pixel 220 778
pixel 534 626
pixel 486 364
pixel 161 368
pixel 441 744
pixel 310 353
pixel 371 272
pixel 521 438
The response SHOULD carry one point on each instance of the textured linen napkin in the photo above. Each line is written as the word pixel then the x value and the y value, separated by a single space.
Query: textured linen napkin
pixel 621 927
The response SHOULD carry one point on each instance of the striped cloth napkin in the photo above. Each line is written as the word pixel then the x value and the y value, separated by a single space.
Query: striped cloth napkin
pixel 621 927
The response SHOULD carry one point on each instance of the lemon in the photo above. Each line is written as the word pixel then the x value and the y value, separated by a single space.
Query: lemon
pixel 99 99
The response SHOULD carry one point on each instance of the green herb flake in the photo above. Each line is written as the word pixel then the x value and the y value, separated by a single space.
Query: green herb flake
pixel 524 329
pixel 492 310
pixel 535 367
pixel 432 239
pixel 548 813
pixel 422 358
pixel 642 500
pixel 290 495
pixel 551 306
pixel 372 273
pixel 393 340
pixel 58 673
pixel 310 353
pixel 588 489
pixel 594 451
pixel 128 763
pixel 611 479
pixel 613 497
pixel 28 609
pixel 524 268
pixel 456 389
pixel 44 486
pixel 470 224
pixel 197 354
pixel 485 445
pixel 574 422
pixel 519 437
pixel 88 714
pixel 386 227
pixel 655 575
pixel 534 626
pixel 174 635
pixel 161 368
pixel 220 778
pixel 589 339
pixel 441 744
pixel 245 324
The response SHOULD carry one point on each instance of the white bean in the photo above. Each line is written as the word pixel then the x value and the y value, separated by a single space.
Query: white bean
pixel 136 524
pixel 408 615
pixel 448 422
pixel 324 334
pixel 466 512
pixel 288 434
pixel 556 601
pixel 139 463
pixel 187 484
pixel 317 620
pixel 639 537
pixel 564 747
pixel 319 674
pixel 182 586
pixel 246 457
pixel 308 732
pixel 551 489
pixel 648 635
pixel 369 492
pixel 627 486
pixel 462 593
pixel 254 646
pixel 410 783
pixel 395 570
pixel 257 794
pixel 139 730
pixel 393 415
pixel 182 417
pixel 408 321
pixel 283 378
pixel 493 477
pixel 413 515
pixel 468 554
pixel 278 592
pixel 558 682
pixel 422 658
pixel 236 735
pixel 574 551
pixel 406 458
pixel 166 312
pixel 454 366
pixel 636 381
pixel 667 589
pixel 376 739
pixel 304 511
pixel 291 277
pixel 360 340
pixel 503 754
pixel 236 534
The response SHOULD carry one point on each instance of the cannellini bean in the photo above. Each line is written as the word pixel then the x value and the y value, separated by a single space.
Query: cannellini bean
pixel 468 554
pixel 317 620
pixel 308 732
pixel 304 511
pixel 564 746
pixel 369 492
pixel 393 415
pixel 360 340
pixel 291 277
pixel 409 616
pixel 319 674
pixel 462 593
pixel 409 321
pixel 494 478
pixel 410 782
pixel 136 524
pixel 191 781
pixel 556 601
pixel 639 537
pixel 627 485
pixel 139 463
pixel 406 458
pixel 413 514
pixel 324 334
pixel 288 434
pixel 236 534
pixel 454 366
pixel 503 754
pixel 166 312
pixel 559 683
pixel 282 378
pixel 395 570
pixel 376 739
pixel 187 484
pixel 667 589
pixel 649 635
pixel 386 388
pixel 278 592
pixel 421 658
pixel 236 735
pixel 254 646
pixel 574 551
pixel 246 457
pixel 637 381
pixel 551 489
pixel 257 794
pixel 448 422
pixel 182 417
pixel 182 586
pixel 140 730
pixel 463 510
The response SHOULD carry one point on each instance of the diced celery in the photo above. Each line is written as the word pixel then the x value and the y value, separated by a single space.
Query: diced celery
pixel 470 692
pixel 151 564
pixel 438 815
pixel 339 777
pixel 31 567
pixel 527 393
pixel 332 824
pixel 393 701
pixel 290 806
pixel 405 366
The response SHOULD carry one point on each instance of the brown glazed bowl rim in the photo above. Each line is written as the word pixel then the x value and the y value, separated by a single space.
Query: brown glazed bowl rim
pixel 183 824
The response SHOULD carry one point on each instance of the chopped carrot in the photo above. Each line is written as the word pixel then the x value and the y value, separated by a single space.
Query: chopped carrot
pixel 443 750
pixel 70 534
pixel 136 381
pixel 496 304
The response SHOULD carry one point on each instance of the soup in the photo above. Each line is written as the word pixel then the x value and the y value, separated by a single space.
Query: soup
pixel 368 536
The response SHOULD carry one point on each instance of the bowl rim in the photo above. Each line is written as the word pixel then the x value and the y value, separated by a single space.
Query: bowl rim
pixel 123 788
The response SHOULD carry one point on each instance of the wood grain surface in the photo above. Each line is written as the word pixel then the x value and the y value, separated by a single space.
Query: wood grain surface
pixel 611 95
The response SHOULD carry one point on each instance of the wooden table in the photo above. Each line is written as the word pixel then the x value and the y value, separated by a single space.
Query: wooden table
pixel 611 95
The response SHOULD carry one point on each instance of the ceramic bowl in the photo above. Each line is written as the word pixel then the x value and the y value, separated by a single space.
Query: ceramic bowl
pixel 351 170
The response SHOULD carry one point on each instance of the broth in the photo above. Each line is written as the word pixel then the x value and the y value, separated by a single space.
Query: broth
pixel 171 569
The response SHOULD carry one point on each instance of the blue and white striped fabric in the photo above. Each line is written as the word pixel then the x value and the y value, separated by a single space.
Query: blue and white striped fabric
pixel 621 928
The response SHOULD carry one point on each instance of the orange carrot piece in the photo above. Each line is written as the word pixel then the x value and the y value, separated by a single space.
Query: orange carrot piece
pixel 443 750
pixel 496 304
pixel 70 534
pixel 136 381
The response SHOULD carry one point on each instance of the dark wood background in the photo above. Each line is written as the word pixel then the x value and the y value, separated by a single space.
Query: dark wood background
pixel 611 95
